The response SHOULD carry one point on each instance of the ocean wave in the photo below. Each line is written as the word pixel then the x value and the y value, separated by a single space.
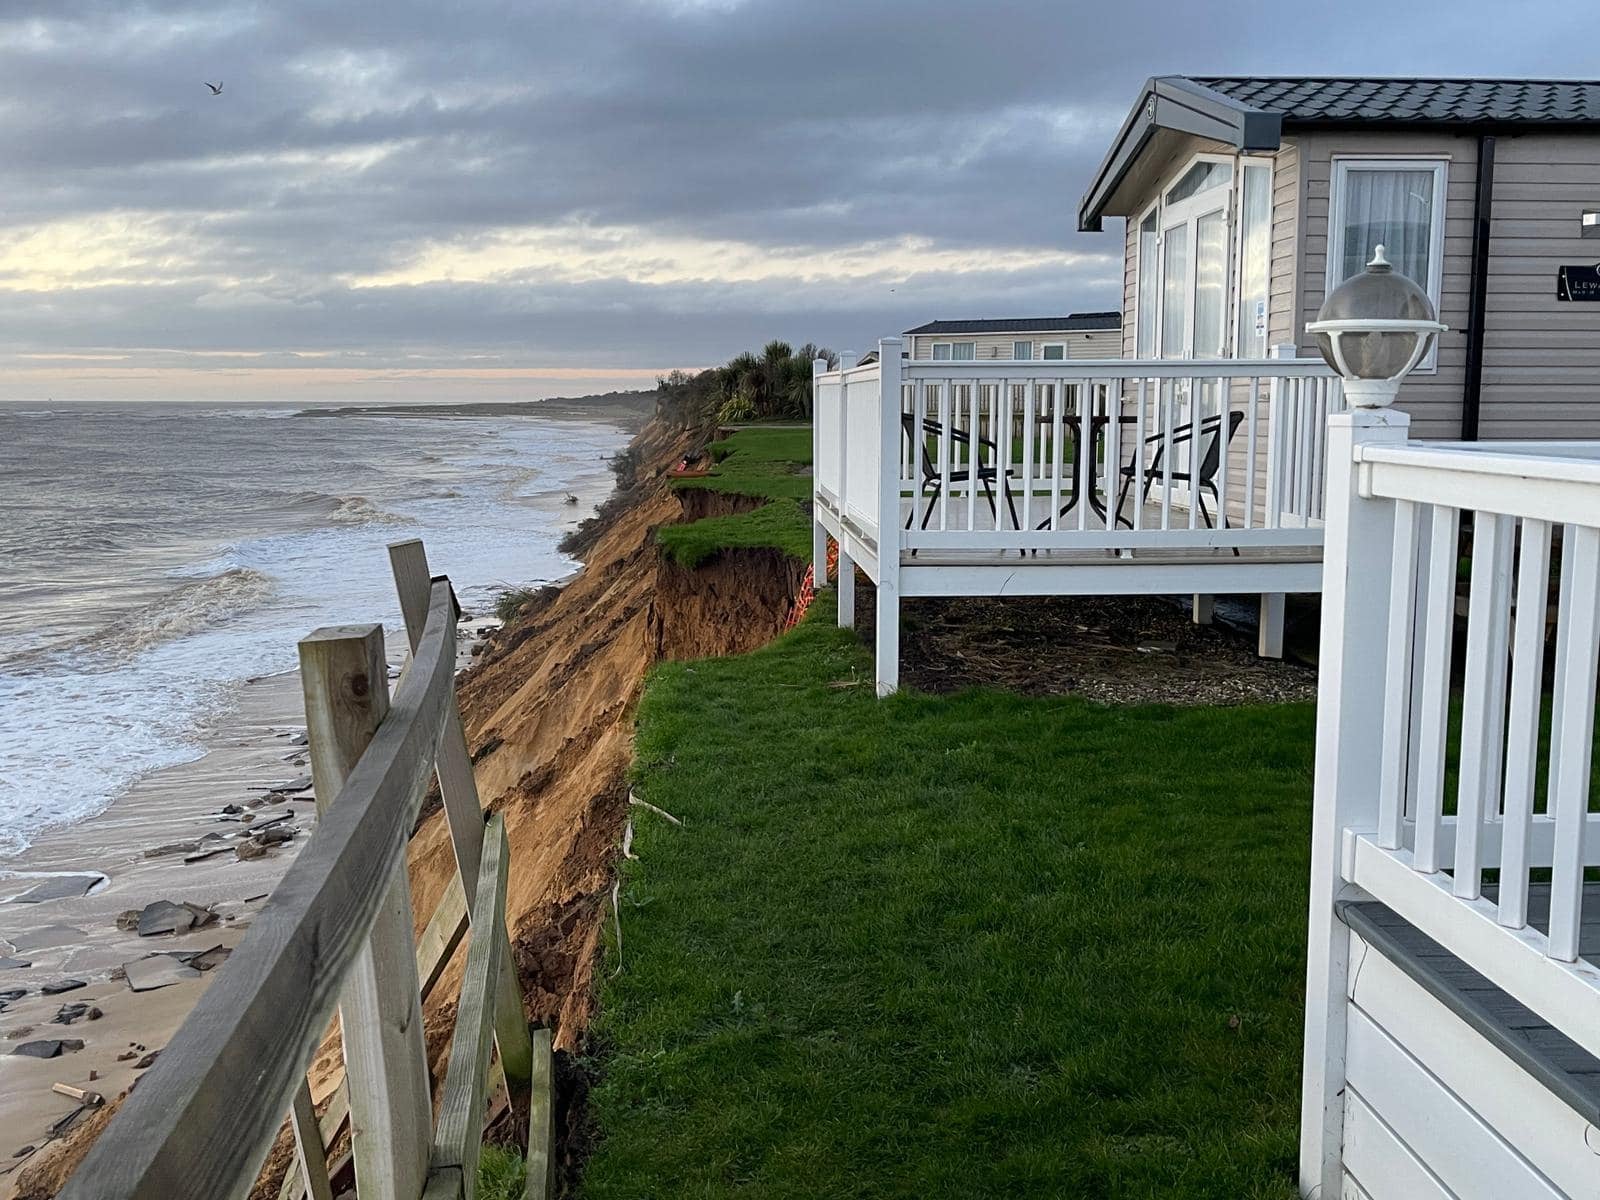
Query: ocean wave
pixel 184 611
pixel 358 510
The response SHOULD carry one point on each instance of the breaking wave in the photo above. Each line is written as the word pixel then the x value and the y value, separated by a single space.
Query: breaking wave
pixel 186 610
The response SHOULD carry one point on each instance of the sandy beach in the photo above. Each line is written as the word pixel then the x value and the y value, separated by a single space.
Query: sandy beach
pixel 258 746
pixel 77 938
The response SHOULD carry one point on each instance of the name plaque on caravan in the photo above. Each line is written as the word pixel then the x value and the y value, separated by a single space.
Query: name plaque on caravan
pixel 1578 282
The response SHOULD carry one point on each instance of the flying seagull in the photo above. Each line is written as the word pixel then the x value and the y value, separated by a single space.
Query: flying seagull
pixel 216 88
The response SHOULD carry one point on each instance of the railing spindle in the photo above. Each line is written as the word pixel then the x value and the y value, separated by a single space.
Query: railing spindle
pixel 1522 748
pixel 1486 625
pixel 1397 671
pixel 1435 700
pixel 1573 715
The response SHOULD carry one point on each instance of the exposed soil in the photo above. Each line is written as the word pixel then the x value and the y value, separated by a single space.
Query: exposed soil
pixel 1114 649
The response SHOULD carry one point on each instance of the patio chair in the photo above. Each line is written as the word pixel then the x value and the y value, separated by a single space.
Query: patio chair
pixel 1204 478
pixel 930 484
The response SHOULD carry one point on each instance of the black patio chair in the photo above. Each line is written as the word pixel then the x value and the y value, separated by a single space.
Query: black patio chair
pixel 1209 430
pixel 930 484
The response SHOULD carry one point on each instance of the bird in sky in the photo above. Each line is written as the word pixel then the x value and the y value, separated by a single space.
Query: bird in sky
pixel 216 88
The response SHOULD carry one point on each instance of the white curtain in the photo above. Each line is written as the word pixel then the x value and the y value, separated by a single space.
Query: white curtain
pixel 1389 208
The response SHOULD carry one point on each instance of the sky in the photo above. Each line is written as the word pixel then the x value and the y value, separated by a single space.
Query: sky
pixel 503 199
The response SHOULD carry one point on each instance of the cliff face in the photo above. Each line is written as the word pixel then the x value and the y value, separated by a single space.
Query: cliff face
pixel 548 709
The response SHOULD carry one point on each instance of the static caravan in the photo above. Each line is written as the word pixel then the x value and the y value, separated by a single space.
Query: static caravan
pixel 1039 339
pixel 1247 200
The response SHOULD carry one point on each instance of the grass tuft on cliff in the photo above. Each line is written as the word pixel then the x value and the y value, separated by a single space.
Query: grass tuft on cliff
pixel 768 463
pixel 978 945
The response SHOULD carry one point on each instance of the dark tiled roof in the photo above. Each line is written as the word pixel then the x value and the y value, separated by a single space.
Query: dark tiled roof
pixel 1077 322
pixel 1463 101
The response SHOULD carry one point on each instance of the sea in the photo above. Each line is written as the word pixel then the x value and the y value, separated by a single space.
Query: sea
pixel 155 557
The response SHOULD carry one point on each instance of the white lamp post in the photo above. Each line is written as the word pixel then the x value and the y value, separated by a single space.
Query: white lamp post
pixel 1373 329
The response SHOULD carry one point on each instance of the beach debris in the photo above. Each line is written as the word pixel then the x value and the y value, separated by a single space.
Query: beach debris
pixel 84 1095
pixel 11 996
pixel 24 1152
pixel 13 964
pixel 289 788
pixel 58 887
pixel 68 1013
pixel 233 809
pixel 149 1060
pixel 158 971
pixel 207 959
pixel 43 938
pixel 127 1056
pixel 166 916
pixel 62 985
pixel 175 848
pixel 219 846
pixel 245 851
pixel 64 1126
pixel 17 1034
pixel 49 1048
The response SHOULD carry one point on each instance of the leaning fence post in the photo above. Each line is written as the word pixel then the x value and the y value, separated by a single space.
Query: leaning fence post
pixel 889 435
pixel 1358 556
pixel 458 788
pixel 345 680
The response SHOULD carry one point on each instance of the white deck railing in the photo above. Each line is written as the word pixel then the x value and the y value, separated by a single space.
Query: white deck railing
pixel 1111 454
pixel 1387 736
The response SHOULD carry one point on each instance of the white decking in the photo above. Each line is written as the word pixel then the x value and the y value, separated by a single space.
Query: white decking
pixel 1213 471
pixel 1451 1029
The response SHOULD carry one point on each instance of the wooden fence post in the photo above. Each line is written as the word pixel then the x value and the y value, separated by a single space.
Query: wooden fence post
pixel 345 680
pixel 464 811
pixel 1358 557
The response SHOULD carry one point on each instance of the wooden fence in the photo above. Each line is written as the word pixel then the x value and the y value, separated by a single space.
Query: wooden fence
pixel 337 934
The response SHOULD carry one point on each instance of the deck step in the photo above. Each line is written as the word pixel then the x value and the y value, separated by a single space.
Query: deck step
pixel 1570 1073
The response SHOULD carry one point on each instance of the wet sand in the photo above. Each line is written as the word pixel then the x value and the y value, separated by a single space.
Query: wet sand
pixel 176 804
pixel 251 750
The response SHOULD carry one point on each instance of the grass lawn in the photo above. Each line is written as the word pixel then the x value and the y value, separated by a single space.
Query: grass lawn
pixel 967 946
pixel 769 463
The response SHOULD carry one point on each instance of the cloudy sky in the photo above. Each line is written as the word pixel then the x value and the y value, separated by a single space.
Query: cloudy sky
pixel 499 198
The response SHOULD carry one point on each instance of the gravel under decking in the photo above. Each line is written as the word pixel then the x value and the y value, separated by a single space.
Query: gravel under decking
pixel 1115 649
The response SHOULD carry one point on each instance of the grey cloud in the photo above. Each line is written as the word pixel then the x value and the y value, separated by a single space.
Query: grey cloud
pixel 349 135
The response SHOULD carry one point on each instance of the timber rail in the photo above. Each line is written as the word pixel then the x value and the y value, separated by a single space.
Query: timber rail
pixel 336 934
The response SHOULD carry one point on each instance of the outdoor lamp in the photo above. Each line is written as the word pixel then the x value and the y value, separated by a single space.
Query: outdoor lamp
pixel 1373 329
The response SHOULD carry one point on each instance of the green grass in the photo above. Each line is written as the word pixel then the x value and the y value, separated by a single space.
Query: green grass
pixel 502 1174
pixel 783 525
pixel 769 463
pixel 970 946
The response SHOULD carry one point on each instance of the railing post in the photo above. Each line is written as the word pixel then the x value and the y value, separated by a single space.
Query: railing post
pixel 888 606
pixel 1357 561
pixel 819 535
pixel 458 788
pixel 1269 627
pixel 345 680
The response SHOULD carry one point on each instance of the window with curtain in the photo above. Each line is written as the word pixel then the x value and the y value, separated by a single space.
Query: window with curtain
pixel 941 352
pixel 964 351
pixel 1398 204
pixel 1022 351
pixel 1255 254
pixel 1149 236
